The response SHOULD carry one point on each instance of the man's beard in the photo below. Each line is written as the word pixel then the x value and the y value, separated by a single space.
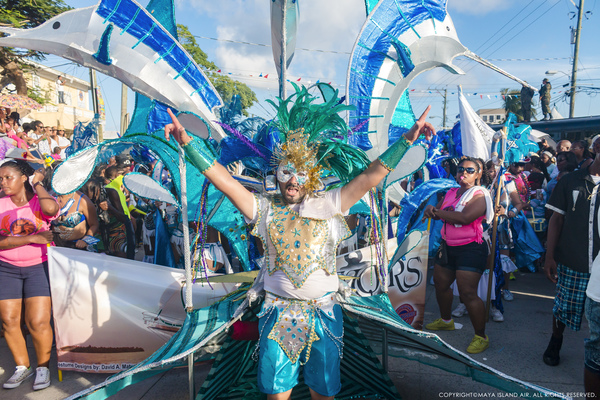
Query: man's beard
pixel 287 198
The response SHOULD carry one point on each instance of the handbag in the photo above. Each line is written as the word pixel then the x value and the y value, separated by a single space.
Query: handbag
pixel 538 224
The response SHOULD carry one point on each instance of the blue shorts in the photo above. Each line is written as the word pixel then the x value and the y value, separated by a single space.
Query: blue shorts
pixel 592 345
pixel 278 374
pixel 23 282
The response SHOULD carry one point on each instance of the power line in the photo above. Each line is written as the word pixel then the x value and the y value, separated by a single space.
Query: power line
pixel 349 53
pixel 268 45
pixel 518 33
pixel 503 26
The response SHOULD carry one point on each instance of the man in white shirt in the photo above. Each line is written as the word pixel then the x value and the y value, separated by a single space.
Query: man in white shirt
pixel 301 320
pixel 60 88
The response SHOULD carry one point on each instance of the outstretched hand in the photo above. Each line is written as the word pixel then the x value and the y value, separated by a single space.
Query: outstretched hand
pixel 421 127
pixel 176 130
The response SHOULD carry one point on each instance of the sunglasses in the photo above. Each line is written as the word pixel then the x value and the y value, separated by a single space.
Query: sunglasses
pixel 469 170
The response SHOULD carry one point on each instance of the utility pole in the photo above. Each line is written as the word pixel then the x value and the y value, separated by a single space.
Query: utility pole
pixel 124 116
pixel 95 103
pixel 575 57
pixel 444 115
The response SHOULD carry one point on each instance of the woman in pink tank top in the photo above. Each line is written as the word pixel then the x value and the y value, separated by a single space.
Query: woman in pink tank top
pixel 26 210
pixel 463 254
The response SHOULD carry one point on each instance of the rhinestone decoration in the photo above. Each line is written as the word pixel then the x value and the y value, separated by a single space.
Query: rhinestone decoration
pixel 298 242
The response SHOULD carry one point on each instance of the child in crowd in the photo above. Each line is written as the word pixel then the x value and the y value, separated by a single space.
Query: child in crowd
pixel 56 153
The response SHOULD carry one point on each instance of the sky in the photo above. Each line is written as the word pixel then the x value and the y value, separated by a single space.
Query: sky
pixel 523 37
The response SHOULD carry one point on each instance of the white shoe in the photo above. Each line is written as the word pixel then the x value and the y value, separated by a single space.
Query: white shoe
pixel 460 310
pixel 21 373
pixel 42 378
pixel 507 295
pixel 496 315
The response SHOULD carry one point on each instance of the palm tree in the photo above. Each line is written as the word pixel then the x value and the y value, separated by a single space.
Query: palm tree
pixel 512 103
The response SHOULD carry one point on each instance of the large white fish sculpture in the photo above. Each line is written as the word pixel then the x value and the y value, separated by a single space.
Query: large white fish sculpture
pixel 398 41
pixel 123 40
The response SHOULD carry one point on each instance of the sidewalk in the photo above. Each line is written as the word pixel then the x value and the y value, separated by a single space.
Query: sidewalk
pixel 516 348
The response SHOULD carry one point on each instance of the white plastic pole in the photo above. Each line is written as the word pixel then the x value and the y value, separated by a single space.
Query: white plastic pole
pixel 189 306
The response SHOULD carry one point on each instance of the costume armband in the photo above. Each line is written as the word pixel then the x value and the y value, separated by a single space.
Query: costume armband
pixel 199 159
pixel 392 156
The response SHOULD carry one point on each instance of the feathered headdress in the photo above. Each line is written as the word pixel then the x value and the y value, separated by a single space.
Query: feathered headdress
pixel 519 145
pixel 313 137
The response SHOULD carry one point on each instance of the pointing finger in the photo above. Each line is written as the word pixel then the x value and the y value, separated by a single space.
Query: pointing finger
pixel 424 115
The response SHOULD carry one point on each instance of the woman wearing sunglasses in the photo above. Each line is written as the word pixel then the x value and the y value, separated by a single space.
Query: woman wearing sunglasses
pixel 463 253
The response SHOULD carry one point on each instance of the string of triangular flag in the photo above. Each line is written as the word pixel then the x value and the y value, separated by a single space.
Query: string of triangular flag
pixel 273 76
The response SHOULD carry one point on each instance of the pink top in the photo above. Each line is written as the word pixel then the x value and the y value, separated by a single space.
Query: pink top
pixel 458 236
pixel 22 221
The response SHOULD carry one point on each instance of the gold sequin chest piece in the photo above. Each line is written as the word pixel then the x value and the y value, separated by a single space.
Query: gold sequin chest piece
pixel 298 243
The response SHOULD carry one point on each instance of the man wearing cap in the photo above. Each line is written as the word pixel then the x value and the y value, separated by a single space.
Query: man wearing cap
pixel 545 99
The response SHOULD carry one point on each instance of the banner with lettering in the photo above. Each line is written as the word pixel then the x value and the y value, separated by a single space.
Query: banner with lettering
pixel 111 313
pixel 406 279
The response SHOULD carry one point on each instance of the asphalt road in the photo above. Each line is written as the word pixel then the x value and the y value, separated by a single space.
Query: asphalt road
pixel 516 348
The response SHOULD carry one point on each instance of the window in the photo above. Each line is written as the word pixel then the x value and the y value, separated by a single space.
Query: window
pixel 484 117
pixel 491 119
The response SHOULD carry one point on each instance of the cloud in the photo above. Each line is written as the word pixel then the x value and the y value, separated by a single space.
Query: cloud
pixel 331 25
pixel 478 7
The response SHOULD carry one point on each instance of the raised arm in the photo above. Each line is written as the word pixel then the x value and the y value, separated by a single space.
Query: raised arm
pixel 217 174
pixel 369 178
pixel 48 204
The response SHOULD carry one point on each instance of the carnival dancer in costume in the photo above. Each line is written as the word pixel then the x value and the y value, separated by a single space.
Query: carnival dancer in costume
pixel 301 320
pixel 463 254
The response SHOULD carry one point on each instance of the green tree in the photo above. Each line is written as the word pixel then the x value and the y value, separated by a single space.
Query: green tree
pixel 24 14
pixel 226 86
pixel 512 103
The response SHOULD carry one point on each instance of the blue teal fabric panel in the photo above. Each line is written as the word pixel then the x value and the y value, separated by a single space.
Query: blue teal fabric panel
pixel 230 225
pixel 527 245
pixel 158 118
pixel 518 144
pixel 164 12
pixel 378 313
pixel 198 325
pixel 412 205
pixel 389 20
pixel 163 252
pixel 360 208
pixel 402 120
pixel 103 53
pixel 370 5
pixel 139 118
pixel 125 13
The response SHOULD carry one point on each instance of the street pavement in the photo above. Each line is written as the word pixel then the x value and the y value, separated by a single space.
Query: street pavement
pixel 516 348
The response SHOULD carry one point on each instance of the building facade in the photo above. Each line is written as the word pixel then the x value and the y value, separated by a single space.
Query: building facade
pixel 492 115
pixel 76 106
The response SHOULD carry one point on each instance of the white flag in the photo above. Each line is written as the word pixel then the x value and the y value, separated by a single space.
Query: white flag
pixel 476 136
